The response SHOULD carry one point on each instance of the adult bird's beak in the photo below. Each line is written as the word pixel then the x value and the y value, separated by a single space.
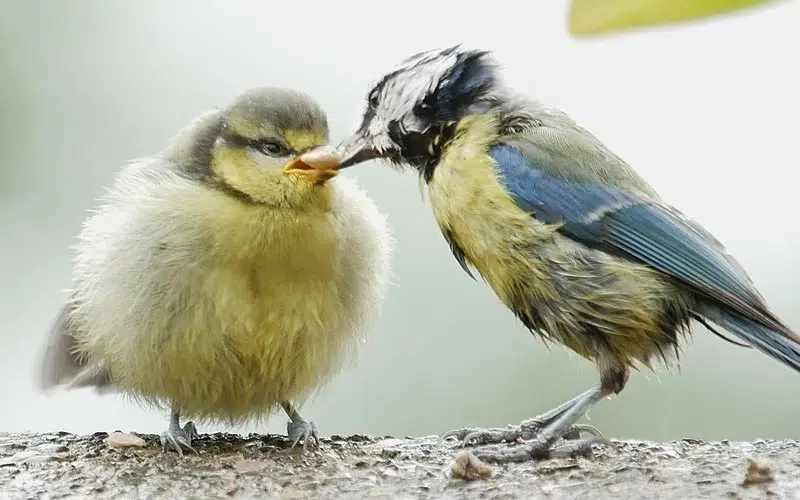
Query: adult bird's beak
pixel 356 150
pixel 318 165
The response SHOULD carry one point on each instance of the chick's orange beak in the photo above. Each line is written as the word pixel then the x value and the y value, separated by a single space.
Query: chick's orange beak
pixel 317 166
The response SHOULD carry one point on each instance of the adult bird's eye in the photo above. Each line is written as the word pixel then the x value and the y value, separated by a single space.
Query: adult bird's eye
pixel 424 109
pixel 373 99
pixel 271 148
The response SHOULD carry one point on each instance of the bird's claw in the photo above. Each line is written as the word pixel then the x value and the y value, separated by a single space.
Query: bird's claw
pixel 533 447
pixel 459 435
pixel 582 447
pixel 179 439
pixel 302 430
pixel 539 450
pixel 482 436
pixel 525 431
pixel 574 432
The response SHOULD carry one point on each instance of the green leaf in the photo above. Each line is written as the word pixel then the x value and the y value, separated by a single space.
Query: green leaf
pixel 593 17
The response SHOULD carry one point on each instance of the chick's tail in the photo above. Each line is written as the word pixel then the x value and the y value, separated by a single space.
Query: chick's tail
pixel 778 343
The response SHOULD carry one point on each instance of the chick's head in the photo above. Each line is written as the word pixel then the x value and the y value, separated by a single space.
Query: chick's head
pixel 270 146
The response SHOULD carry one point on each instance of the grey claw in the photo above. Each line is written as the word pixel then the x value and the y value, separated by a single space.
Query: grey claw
pixel 484 436
pixel 579 448
pixel 477 435
pixel 459 434
pixel 167 439
pixel 191 431
pixel 179 439
pixel 314 433
pixel 302 430
pixel 576 430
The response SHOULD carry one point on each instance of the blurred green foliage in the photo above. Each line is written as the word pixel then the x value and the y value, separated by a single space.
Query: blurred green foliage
pixel 594 17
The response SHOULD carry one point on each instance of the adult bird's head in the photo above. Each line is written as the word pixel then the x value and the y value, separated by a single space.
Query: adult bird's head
pixel 411 110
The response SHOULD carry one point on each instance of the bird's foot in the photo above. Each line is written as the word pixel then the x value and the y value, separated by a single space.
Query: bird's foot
pixel 179 439
pixel 540 435
pixel 535 445
pixel 539 449
pixel 302 430
pixel 525 431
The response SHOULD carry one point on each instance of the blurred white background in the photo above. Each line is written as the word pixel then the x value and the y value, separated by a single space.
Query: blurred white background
pixel 707 112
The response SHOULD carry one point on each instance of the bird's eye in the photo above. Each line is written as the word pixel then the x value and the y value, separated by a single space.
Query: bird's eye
pixel 373 99
pixel 425 109
pixel 271 148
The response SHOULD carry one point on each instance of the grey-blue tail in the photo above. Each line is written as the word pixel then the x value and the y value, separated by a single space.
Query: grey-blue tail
pixel 783 346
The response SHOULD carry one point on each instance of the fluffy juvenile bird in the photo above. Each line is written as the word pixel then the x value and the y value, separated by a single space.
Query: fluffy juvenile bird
pixel 568 236
pixel 228 275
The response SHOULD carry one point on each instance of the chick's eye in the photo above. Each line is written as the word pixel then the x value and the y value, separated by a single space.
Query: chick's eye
pixel 271 148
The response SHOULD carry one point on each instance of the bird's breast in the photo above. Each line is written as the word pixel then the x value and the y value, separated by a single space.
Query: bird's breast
pixel 478 217
pixel 279 276
pixel 190 297
pixel 234 307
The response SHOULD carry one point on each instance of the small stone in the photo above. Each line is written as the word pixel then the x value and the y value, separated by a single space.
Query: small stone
pixel 124 440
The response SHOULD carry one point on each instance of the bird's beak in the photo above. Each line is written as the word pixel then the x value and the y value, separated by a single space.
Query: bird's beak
pixel 318 165
pixel 356 150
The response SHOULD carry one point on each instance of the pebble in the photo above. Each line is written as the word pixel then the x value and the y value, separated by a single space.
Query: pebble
pixel 124 440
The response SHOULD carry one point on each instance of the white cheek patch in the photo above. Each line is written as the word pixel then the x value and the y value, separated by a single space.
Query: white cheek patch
pixel 413 81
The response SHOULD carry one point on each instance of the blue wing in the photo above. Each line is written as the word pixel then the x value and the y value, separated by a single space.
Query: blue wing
pixel 633 226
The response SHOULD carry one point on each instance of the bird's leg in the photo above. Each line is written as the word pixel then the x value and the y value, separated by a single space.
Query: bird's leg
pixel 298 428
pixel 178 438
pixel 542 432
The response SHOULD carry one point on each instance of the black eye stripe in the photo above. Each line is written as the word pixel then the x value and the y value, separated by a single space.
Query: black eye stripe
pixel 373 98
pixel 271 147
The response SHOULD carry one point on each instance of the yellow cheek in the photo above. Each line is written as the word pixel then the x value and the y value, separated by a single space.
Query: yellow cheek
pixel 238 170
pixel 265 183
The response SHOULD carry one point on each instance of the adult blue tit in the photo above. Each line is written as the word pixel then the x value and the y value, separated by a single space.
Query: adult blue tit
pixel 227 276
pixel 569 236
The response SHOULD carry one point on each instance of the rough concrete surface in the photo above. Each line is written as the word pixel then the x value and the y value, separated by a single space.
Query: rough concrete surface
pixel 63 465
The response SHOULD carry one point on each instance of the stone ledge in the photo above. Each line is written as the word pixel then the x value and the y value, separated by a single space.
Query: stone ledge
pixel 63 465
